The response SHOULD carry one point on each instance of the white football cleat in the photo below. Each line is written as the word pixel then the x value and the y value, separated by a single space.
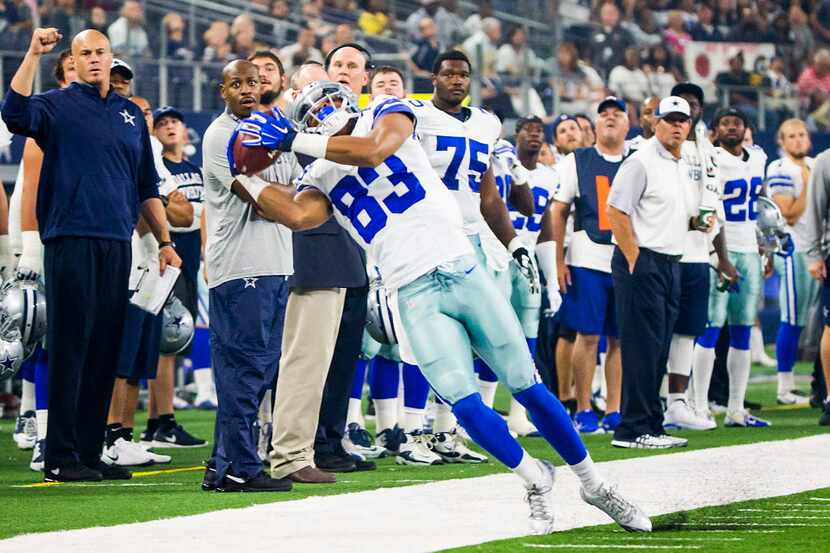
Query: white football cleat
pixel 791 398
pixel 681 415
pixel 125 454
pixel 358 440
pixel 743 419
pixel 452 449
pixel 25 430
pixel 38 455
pixel 416 451
pixel 608 500
pixel 646 441
pixel 539 497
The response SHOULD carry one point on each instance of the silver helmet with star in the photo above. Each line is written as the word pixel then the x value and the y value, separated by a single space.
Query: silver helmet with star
pixel 177 327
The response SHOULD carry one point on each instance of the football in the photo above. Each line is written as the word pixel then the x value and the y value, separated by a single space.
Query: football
pixel 251 160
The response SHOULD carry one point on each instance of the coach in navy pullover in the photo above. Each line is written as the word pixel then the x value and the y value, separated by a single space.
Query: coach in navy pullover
pixel 97 171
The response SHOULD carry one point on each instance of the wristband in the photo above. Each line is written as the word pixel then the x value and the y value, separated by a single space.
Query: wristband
pixel 546 254
pixel 313 145
pixel 31 245
pixel 515 244
pixel 253 185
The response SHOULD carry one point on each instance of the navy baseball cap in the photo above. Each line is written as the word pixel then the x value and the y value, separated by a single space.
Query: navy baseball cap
pixel 688 88
pixel 559 119
pixel 726 112
pixel 166 111
pixel 611 101
pixel 527 121
pixel 120 66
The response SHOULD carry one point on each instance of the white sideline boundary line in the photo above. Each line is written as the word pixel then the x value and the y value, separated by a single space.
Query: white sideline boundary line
pixel 456 513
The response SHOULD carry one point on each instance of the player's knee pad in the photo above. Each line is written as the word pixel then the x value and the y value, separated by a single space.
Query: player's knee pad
pixel 710 337
pixel 739 336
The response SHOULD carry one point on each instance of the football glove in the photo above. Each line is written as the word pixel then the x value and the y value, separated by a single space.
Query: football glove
pixel 526 263
pixel 268 130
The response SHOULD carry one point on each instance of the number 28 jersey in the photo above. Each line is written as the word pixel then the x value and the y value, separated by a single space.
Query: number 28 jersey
pixel 460 153
pixel 742 178
pixel 399 212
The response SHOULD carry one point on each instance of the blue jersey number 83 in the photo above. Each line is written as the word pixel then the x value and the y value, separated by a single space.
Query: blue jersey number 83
pixel 351 197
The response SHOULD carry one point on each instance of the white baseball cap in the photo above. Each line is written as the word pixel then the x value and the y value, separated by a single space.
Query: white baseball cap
pixel 673 104
pixel 122 67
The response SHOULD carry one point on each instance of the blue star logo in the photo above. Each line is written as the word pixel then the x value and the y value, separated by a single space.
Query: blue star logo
pixel 8 363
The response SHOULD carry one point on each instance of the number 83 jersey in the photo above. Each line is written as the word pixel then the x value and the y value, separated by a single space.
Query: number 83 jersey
pixel 743 180
pixel 399 212
pixel 459 150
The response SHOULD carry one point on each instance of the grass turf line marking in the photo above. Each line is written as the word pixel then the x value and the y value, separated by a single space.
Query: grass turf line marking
pixel 113 484
pixel 820 499
pixel 657 538
pixel 776 517
pixel 784 511
pixel 606 546
pixel 745 524
pixel 142 474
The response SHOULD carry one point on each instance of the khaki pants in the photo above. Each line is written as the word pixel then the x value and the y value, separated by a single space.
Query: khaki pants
pixel 312 319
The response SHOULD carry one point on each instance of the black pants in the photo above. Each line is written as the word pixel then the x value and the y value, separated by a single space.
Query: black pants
pixel 338 387
pixel 86 301
pixel 647 303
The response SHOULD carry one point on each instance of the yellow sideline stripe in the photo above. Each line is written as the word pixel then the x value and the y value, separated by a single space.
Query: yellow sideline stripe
pixel 365 99
pixel 135 475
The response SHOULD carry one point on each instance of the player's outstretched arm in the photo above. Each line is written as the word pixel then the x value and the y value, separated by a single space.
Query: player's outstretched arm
pixel 521 198
pixel 386 138
pixel 557 213
pixel 301 210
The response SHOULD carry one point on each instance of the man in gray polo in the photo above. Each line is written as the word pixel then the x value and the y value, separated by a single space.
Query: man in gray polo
pixel 248 259
pixel 650 208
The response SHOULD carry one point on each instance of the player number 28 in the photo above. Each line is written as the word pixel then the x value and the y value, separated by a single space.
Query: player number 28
pixel 740 199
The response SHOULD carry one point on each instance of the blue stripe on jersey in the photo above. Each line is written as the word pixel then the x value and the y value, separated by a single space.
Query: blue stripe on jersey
pixel 391 105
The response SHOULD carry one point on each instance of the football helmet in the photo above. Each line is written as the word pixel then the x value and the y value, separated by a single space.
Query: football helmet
pixel 25 303
pixel 323 107
pixel 771 228
pixel 176 328
pixel 12 352
pixel 379 323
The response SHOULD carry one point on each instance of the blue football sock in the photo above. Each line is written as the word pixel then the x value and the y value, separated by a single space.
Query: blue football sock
pixel 415 387
pixel 485 373
pixel 488 429
pixel 786 346
pixel 27 370
pixel 553 422
pixel 359 378
pixel 384 378
pixel 710 337
pixel 531 345
pixel 42 381
pixel 739 336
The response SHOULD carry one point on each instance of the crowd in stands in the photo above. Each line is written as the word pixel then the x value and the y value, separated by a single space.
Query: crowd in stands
pixel 632 48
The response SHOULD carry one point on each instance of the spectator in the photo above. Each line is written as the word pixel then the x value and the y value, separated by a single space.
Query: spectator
pixel 740 86
pixel 781 95
pixel 705 29
pixel 98 20
pixel 628 80
pixel 802 36
pixel 426 50
pixel 473 23
pixel 779 30
pixel 487 38
pixel 217 48
pixel 752 27
pixel 260 6
pixel 676 35
pixel 65 17
pixel 312 18
pixel 343 34
pixel 516 61
pixel 645 30
pixel 821 21
pixel 374 21
pixel 450 24
pixel 816 77
pixel 662 71
pixel 429 8
pixel 726 16
pixel 283 27
pixel 127 33
pixel 577 84
pixel 301 51
pixel 610 40
pixel 176 47
pixel 243 34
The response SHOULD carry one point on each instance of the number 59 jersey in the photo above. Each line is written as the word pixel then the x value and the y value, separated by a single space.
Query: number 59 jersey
pixel 399 212
pixel 742 178
pixel 460 153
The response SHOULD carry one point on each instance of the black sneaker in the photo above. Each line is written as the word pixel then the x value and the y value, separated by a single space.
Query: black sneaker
pixel 111 472
pixel 75 472
pixel 209 479
pixel 332 462
pixel 175 436
pixel 824 419
pixel 259 483
pixel 146 437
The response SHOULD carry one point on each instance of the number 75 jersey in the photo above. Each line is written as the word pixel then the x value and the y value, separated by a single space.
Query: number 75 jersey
pixel 399 212
pixel 460 153
pixel 742 181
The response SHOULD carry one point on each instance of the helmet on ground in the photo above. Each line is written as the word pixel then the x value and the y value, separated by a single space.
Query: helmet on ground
pixel 176 328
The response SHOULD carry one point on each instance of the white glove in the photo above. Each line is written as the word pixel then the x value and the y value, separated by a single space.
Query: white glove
pixel 30 265
pixel 6 258
pixel 526 262
pixel 546 254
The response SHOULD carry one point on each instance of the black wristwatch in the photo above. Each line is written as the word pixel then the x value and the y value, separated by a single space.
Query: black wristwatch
pixel 167 243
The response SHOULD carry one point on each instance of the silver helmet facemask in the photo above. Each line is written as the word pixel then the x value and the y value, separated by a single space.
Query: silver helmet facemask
pixel 770 227
pixel 323 107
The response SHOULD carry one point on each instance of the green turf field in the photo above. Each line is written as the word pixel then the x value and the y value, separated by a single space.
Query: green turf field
pixel 151 495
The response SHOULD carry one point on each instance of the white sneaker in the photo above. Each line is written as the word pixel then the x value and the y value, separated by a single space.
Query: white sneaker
pixel 38 454
pixel 358 440
pixel 716 408
pixel 521 426
pixel 452 449
pixel 540 499
pixel 646 441
pixel 124 454
pixel 791 398
pixel 608 500
pixel 416 451
pixel 681 415
pixel 675 441
pixel 742 418
pixel 180 404
pixel 25 430
pixel 264 440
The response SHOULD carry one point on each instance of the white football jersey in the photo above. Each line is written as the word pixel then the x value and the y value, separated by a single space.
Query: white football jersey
pixel 498 258
pixel 785 178
pixel 459 152
pixel 399 212
pixel 742 181
pixel 543 183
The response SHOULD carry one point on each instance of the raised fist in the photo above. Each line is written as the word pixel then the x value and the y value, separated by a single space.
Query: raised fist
pixel 44 40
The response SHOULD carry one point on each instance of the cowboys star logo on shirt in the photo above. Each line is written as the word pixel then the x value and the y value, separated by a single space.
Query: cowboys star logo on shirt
pixel 127 117
pixel 250 282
